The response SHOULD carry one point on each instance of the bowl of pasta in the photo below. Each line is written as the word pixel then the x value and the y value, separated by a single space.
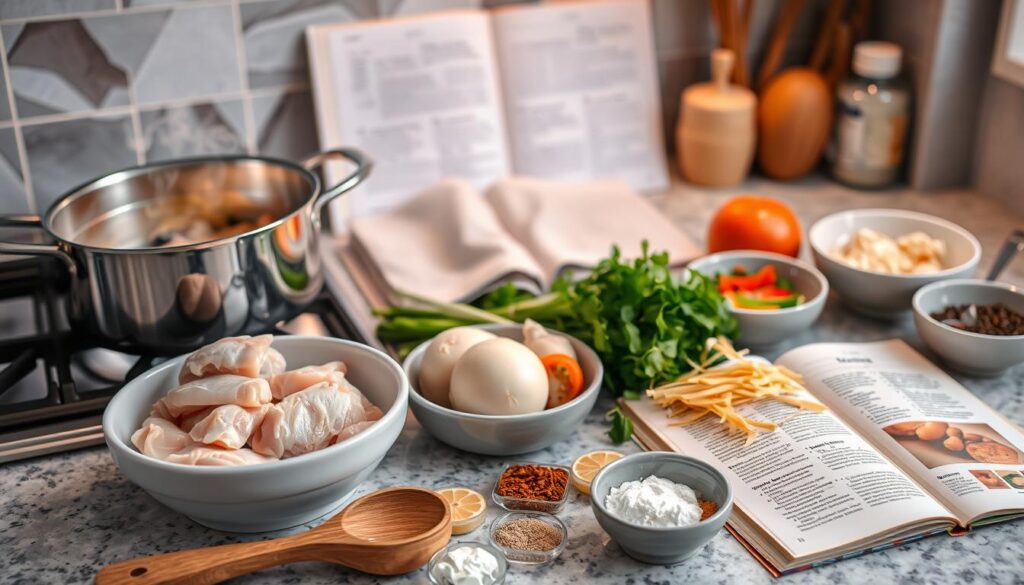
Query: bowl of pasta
pixel 253 434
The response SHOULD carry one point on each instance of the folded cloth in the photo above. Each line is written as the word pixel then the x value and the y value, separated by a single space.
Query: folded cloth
pixel 445 243
pixel 575 224
pixel 451 243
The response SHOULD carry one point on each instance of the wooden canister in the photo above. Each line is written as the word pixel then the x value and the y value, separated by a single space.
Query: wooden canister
pixel 717 131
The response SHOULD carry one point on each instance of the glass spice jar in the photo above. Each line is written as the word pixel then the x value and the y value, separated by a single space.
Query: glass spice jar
pixel 872 109
pixel 521 503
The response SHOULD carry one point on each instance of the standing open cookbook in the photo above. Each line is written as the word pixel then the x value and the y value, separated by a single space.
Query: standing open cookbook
pixel 903 452
pixel 557 91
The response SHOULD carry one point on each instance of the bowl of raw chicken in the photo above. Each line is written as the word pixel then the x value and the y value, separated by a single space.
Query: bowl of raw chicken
pixel 252 434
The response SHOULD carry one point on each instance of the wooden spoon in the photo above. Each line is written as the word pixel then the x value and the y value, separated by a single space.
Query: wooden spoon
pixel 388 532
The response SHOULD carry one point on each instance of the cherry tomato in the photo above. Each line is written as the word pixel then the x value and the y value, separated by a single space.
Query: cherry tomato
pixel 565 378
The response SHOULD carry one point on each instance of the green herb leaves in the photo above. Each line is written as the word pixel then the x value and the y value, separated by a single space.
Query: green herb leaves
pixel 642 320
pixel 621 429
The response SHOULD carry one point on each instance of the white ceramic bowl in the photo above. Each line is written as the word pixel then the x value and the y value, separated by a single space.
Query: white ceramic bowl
pixel 766 328
pixel 266 496
pixel 662 546
pixel 509 434
pixel 888 295
pixel 971 353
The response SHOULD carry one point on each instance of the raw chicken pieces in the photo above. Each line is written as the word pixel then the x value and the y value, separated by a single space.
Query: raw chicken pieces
pixel 310 419
pixel 159 438
pixel 286 383
pixel 190 420
pixel 251 357
pixel 215 391
pixel 237 405
pixel 228 426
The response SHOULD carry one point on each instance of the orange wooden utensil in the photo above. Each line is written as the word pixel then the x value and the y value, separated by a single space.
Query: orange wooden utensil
pixel 388 532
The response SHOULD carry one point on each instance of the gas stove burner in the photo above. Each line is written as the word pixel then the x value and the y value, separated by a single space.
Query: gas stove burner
pixel 106 364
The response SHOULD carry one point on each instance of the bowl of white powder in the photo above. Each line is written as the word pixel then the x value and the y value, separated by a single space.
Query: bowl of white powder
pixel 654 505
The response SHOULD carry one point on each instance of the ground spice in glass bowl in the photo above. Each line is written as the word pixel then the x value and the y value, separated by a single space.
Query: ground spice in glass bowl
pixel 529 537
pixel 532 486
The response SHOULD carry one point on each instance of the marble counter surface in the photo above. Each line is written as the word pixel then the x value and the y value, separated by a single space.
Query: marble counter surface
pixel 63 517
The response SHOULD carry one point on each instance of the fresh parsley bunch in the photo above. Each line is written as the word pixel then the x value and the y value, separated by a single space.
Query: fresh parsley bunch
pixel 643 321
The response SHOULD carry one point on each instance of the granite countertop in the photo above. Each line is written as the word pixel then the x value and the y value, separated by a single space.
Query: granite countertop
pixel 63 517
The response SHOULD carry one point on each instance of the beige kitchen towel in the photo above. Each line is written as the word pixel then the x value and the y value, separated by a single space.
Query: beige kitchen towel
pixel 574 224
pixel 451 243
pixel 445 243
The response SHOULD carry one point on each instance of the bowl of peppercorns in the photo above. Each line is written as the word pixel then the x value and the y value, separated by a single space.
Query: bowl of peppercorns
pixel 975 326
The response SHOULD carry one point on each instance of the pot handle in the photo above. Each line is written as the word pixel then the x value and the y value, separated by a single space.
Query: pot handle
pixel 1013 245
pixel 23 249
pixel 355 156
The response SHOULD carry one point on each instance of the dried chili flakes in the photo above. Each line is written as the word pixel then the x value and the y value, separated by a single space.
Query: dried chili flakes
pixel 533 482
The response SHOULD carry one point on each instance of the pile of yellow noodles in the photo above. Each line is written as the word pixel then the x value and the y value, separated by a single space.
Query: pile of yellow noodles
pixel 718 390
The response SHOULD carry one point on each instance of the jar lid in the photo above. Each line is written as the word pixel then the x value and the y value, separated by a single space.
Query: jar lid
pixel 877 59
pixel 718 95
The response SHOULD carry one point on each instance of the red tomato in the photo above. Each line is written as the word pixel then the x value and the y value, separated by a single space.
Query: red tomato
pixel 565 378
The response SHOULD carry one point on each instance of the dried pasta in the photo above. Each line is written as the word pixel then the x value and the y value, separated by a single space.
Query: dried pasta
pixel 711 390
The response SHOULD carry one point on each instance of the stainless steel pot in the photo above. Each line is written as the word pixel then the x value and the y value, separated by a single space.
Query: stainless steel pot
pixel 142 298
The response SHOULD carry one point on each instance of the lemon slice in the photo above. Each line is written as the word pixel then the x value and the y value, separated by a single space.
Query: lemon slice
pixel 468 508
pixel 586 467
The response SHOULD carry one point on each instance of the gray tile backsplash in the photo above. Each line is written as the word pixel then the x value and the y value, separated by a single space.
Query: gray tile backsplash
pixel 194 130
pixel 62 155
pixel 37 8
pixel 192 56
pixel 274 35
pixel 285 124
pixel 59 67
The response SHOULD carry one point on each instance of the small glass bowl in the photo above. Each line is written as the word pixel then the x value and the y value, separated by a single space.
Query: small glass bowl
pixel 530 557
pixel 434 574
pixel 551 507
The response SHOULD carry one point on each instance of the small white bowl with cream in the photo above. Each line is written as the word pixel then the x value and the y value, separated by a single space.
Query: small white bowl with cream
pixel 468 563
pixel 648 504
pixel 876 259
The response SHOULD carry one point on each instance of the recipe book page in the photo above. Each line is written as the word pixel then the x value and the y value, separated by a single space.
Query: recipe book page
pixel 889 393
pixel 420 95
pixel 581 91
pixel 813 485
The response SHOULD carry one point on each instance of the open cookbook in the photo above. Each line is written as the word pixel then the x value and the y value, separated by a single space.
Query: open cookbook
pixel 903 451
pixel 562 91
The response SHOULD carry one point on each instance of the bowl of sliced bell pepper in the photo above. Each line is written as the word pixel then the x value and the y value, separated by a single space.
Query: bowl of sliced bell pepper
pixel 772 296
